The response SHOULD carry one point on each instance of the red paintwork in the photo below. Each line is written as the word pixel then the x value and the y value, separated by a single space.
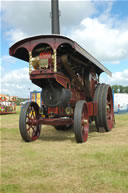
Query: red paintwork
pixel 54 110
pixel 30 43
pixel 76 95
pixel 95 110
pixel 85 126
pixel 45 55
pixel 90 107
pixel 57 121
pixel 93 82
pixel 49 74
pixel 51 121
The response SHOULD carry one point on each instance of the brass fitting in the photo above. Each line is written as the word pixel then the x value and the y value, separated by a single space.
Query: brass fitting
pixel 30 62
pixel 85 121
pixel 55 62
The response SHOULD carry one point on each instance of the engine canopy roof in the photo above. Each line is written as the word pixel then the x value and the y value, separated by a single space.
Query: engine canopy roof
pixel 54 41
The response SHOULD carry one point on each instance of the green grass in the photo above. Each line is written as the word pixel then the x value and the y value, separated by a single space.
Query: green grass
pixel 57 164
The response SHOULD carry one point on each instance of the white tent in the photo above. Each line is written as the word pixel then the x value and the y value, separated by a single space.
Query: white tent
pixel 120 103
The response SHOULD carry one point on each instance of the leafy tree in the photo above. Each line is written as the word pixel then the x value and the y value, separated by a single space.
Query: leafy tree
pixel 120 89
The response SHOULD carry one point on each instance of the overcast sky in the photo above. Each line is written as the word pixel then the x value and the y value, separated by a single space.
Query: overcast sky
pixel 101 27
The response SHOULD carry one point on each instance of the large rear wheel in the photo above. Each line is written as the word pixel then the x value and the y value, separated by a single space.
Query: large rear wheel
pixel 104 119
pixel 81 122
pixel 29 128
pixel 96 98
pixel 108 114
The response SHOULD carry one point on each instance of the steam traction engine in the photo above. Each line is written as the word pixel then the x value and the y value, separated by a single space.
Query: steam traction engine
pixel 69 78
pixel 71 93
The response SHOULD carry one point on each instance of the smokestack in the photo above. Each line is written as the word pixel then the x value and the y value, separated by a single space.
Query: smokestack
pixel 55 17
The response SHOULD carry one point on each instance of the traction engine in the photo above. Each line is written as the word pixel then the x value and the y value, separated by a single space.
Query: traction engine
pixel 71 93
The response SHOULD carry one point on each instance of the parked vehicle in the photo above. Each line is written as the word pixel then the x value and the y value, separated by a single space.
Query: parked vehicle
pixel 7 104
pixel 69 77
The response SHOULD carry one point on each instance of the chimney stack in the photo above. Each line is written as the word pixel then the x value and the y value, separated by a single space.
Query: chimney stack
pixel 55 17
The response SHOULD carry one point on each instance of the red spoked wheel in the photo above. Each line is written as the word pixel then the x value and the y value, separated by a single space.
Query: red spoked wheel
pixel 105 117
pixel 81 122
pixel 108 113
pixel 28 122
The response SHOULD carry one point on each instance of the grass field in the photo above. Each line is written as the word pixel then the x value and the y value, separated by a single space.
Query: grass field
pixel 57 164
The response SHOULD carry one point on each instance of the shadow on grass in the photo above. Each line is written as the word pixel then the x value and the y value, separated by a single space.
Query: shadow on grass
pixel 57 135
pixel 92 128
pixel 63 135
pixel 93 132
pixel 57 138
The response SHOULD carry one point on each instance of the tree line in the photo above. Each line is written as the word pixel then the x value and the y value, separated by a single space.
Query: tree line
pixel 120 89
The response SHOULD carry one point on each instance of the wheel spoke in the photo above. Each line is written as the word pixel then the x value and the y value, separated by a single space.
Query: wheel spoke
pixel 28 129
pixel 32 112
pixel 85 133
pixel 33 129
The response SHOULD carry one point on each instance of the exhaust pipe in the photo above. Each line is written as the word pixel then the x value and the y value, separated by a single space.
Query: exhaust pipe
pixel 55 17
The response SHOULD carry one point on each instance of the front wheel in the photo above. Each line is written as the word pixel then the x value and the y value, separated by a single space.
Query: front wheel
pixel 81 122
pixel 28 125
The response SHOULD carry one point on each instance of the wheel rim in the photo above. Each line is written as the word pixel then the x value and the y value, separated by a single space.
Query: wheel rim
pixel 33 129
pixel 81 123
pixel 109 109
pixel 84 124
